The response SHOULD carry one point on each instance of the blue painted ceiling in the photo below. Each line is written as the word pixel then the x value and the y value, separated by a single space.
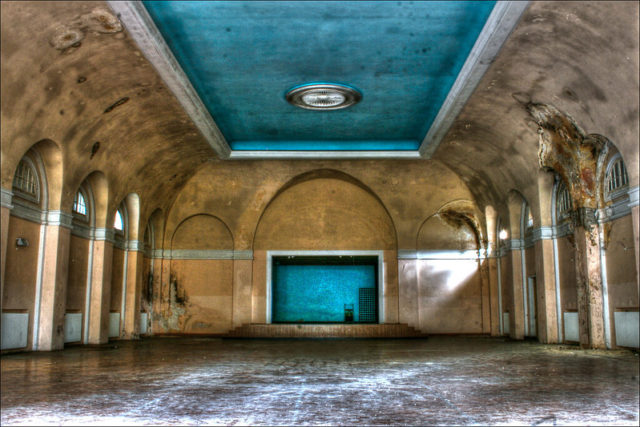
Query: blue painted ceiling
pixel 243 56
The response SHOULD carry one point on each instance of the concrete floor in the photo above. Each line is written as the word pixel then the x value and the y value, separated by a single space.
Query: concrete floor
pixel 440 380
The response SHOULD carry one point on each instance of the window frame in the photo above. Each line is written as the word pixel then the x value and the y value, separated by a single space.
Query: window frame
pixel 564 203
pixel 620 190
pixel 115 216
pixel 19 192
pixel 79 215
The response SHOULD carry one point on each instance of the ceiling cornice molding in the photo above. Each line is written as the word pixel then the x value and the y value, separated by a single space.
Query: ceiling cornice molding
pixel 144 32
pixel 503 19
pixel 246 155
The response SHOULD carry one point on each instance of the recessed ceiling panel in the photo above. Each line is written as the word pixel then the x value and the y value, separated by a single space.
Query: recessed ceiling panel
pixel 243 57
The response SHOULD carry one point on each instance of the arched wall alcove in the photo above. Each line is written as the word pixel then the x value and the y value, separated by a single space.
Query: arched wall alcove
pixel 449 287
pixel 199 298
pixel 22 285
pixel 617 243
pixel 325 212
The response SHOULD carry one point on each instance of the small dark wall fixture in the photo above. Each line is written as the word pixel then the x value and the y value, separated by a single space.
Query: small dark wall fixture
pixel 21 242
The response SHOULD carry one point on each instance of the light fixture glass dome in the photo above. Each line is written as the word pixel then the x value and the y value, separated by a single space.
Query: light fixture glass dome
pixel 323 96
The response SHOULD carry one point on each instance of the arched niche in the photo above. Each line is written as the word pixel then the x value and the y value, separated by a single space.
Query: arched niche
pixel 99 185
pixel 200 292
pixel 202 232
pixel 516 204
pixel 455 226
pixel 43 161
pixel 325 211
pixel 449 285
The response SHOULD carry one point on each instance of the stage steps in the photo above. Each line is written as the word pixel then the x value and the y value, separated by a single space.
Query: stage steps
pixel 390 330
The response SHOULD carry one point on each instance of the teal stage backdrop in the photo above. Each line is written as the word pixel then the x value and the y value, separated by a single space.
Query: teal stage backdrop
pixel 320 293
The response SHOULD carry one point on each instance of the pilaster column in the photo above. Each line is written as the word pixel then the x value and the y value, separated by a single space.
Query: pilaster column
pixel 5 212
pixel 408 290
pixel 568 150
pixel 492 264
pixel 50 306
pixel 634 202
pixel 156 303
pixel 546 288
pixel 516 316
pixel 165 282
pixel 483 266
pixel 131 324
pixel 101 286
pixel 242 283
pixel 391 297
pixel 589 281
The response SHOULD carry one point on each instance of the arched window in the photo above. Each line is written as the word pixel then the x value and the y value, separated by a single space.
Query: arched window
pixel 616 179
pixel 563 202
pixel 117 222
pixel 80 204
pixel 528 218
pixel 25 181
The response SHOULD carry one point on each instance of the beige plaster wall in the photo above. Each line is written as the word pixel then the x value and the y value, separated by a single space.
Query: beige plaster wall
pixel 238 193
pixel 21 266
pixel 20 270
pixel 199 295
pixel 449 297
pixel 206 288
pixel 327 214
pixel 77 281
pixel 449 291
pixel 117 271
pixel 566 262
pixel 505 280
pixel 621 269
pixel 621 265
pixel 147 285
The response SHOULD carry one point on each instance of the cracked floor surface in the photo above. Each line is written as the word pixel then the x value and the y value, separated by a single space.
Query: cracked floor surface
pixel 434 381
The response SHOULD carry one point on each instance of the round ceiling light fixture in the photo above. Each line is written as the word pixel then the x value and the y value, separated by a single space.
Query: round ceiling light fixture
pixel 323 96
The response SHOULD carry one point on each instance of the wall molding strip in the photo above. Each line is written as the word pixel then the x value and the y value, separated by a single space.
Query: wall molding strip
pixel 28 213
pixel 634 196
pixel 439 255
pixel 501 22
pixel 135 245
pixel 204 254
pixel 60 219
pixel 5 198
pixel 82 231
pixel 106 234
pixel 144 32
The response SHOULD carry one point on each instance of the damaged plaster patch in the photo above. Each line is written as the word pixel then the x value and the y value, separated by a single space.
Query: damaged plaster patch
pixel 99 20
pixel 176 307
pixel 65 37
pixel 565 148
